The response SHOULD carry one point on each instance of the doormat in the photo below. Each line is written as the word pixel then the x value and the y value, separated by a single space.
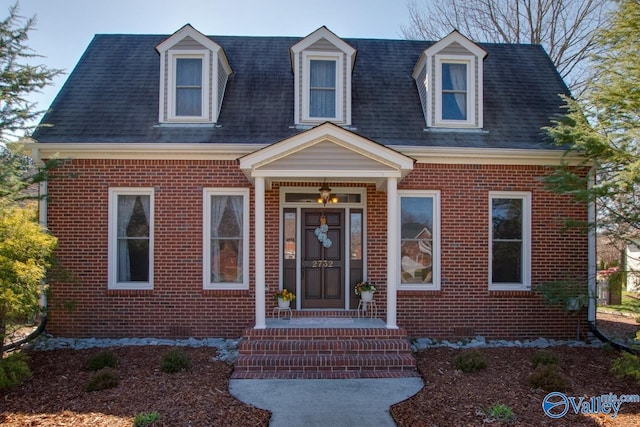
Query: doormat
pixel 320 321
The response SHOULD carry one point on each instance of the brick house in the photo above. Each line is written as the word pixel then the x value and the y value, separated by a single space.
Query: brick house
pixel 191 192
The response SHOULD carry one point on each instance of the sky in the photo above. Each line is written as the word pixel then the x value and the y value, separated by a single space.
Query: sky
pixel 64 28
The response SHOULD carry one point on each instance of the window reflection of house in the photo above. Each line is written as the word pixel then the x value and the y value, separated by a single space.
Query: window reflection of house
pixel 417 258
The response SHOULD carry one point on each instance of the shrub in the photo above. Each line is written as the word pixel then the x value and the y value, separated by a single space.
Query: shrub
pixel 144 419
pixel 104 359
pixel 500 412
pixel 103 379
pixel 470 361
pixel 548 378
pixel 175 360
pixel 627 366
pixel 544 357
pixel 13 370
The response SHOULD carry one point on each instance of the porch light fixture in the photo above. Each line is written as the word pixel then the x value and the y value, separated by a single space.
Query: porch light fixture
pixel 325 195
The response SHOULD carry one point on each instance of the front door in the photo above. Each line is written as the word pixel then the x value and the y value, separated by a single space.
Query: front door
pixel 323 260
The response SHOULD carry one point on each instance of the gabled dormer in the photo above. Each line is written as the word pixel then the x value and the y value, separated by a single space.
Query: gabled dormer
pixel 322 65
pixel 450 79
pixel 193 76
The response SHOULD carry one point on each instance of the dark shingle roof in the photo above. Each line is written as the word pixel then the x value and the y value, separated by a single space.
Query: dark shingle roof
pixel 112 95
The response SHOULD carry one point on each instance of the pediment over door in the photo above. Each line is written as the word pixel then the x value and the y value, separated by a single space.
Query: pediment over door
pixel 327 152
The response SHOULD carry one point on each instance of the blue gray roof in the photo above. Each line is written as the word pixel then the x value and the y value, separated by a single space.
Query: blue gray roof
pixel 112 95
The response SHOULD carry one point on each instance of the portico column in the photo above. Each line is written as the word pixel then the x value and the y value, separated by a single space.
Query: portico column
pixel 392 251
pixel 260 256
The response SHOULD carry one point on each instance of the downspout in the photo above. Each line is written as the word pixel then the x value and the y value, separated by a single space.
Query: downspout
pixel 42 303
pixel 592 274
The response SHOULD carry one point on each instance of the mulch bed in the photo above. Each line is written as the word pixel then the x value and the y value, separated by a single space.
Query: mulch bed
pixel 451 397
pixel 55 394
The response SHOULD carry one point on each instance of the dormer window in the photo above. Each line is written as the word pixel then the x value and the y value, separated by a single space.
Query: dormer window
pixel 193 77
pixel 455 91
pixel 322 88
pixel 189 99
pixel 322 64
pixel 189 87
pixel 449 80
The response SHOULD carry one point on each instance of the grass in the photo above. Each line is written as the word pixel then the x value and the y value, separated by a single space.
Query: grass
pixel 630 304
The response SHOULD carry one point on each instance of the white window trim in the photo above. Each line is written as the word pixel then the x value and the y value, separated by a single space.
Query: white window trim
pixel 525 196
pixel 206 238
pixel 307 57
pixel 436 282
pixel 112 252
pixel 470 61
pixel 174 55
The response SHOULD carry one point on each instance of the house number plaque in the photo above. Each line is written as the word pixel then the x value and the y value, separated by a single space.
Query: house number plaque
pixel 321 263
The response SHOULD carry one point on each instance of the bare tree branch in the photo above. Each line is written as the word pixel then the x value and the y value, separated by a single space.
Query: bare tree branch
pixel 565 28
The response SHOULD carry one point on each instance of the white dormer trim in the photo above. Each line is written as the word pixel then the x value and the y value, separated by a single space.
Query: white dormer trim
pixel 214 61
pixel 301 54
pixel 428 76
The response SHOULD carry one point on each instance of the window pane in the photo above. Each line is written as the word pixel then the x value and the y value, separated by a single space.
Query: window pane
pixel 226 216
pixel 416 246
pixel 322 103
pixel 507 218
pixel 454 106
pixel 454 77
pixel 323 74
pixel 133 238
pixel 188 102
pixel 290 235
pixel 227 259
pixel 322 94
pixel 507 262
pixel 189 87
pixel 189 72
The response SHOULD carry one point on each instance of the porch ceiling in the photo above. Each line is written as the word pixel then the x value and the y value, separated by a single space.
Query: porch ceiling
pixel 326 152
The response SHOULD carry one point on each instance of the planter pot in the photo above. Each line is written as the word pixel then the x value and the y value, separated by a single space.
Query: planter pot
pixel 366 296
pixel 283 304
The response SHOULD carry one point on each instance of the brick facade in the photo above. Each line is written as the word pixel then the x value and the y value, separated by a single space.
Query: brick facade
pixel 178 306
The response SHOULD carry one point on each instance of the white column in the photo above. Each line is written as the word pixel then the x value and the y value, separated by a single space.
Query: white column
pixel 258 230
pixel 392 251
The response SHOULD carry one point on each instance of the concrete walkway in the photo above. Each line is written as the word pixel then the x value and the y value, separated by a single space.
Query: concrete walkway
pixel 336 403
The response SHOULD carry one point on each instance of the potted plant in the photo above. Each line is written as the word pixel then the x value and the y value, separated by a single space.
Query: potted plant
pixel 284 298
pixel 365 290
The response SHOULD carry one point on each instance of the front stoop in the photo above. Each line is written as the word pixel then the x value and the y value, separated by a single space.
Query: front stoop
pixel 324 353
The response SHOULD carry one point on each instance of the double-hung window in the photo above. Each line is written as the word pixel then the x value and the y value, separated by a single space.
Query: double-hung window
pixel 323 92
pixel 455 94
pixel 226 239
pixel 419 240
pixel 510 241
pixel 322 88
pixel 454 91
pixel 189 91
pixel 189 87
pixel 130 238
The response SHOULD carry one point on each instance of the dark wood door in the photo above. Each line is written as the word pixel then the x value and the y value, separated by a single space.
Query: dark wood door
pixel 322 264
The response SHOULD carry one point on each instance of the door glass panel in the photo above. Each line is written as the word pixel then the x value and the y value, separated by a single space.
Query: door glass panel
pixel 356 236
pixel 289 235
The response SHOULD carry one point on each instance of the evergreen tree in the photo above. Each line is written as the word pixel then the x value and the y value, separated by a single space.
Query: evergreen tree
pixel 604 127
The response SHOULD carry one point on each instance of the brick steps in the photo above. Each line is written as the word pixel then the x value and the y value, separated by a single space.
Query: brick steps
pixel 324 353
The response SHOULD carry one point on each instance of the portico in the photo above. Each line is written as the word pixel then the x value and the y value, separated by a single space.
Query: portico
pixel 327 153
